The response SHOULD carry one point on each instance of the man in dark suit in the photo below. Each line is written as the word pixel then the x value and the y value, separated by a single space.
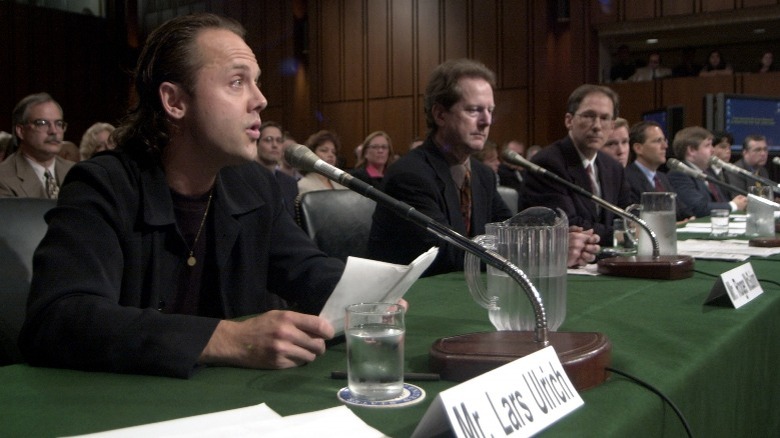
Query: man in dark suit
pixel 35 170
pixel 693 146
pixel 440 179
pixel 755 154
pixel 270 147
pixel 577 158
pixel 647 154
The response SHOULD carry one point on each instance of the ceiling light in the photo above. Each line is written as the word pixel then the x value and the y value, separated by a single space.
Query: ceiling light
pixel 652 41
pixel 759 30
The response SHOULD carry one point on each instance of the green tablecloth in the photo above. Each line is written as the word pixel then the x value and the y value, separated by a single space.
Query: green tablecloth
pixel 719 365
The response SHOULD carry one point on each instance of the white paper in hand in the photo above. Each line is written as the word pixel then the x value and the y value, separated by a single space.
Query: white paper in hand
pixel 371 281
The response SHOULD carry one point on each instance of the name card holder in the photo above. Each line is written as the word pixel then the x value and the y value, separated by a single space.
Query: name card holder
pixel 735 287
pixel 520 398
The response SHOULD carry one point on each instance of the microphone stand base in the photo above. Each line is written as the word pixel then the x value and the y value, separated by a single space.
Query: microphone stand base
pixel 584 355
pixel 663 268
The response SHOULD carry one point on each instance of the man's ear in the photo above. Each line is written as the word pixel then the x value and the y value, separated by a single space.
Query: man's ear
pixel 173 99
pixel 437 110
pixel 568 120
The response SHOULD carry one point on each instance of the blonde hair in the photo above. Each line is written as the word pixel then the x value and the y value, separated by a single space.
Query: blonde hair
pixel 89 142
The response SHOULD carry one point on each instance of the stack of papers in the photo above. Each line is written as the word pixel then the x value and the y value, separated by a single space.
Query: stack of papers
pixel 730 250
pixel 253 421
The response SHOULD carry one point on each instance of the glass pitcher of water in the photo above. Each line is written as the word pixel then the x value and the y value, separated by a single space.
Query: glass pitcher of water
pixel 537 241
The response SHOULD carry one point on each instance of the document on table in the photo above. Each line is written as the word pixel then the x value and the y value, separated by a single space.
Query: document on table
pixel 371 281
pixel 731 250
pixel 737 225
pixel 252 421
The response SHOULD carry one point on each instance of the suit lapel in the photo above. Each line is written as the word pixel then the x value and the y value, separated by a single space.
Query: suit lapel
pixel 28 181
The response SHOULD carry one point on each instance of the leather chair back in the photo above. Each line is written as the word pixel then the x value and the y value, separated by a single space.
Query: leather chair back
pixel 339 221
pixel 510 197
pixel 21 231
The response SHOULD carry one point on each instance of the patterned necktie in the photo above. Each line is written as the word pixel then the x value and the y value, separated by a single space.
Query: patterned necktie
pixel 465 201
pixel 659 187
pixel 52 189
pixel 714 192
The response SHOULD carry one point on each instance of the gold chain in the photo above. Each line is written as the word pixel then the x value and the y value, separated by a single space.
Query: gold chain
pixel 191 260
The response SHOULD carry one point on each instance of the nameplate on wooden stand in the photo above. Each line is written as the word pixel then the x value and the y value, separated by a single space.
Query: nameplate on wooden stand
pixel 735 287
pixel 520 398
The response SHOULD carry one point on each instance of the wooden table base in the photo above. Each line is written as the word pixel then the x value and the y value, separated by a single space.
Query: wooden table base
pixel 584 356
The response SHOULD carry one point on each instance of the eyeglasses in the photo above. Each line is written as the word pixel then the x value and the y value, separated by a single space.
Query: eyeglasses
pixel 381 147
pixel 43 124
pixel 271 139
pixel 606 120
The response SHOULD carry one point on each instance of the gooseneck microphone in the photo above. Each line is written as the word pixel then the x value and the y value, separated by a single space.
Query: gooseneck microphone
pixel 303 158
pixel 715 161
pixel 676 165
pixel 776 160
pixel 515 158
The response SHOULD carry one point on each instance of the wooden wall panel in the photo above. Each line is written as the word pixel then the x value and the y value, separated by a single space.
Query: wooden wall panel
pixel 606 12
pixel 429 41
pixel 456 29
pixel 751 3
pixel 378 54
pixel 346 120
pixel 353 61
pixel 394 116
pixel 510 119
pixel 331 56
pixel 486 34
pixel 764 84
pixel 267 40
pixel 515 55
pixel 718 5
pixel 402 48
pixel 689 92
pixel 640 10
pixel 678 7
pixel 636 98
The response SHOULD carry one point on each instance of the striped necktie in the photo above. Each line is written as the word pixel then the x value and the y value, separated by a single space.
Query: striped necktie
pixel 52 189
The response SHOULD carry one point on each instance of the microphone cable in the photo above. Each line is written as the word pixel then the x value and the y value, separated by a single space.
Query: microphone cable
pixel 761 280
pixel 658 392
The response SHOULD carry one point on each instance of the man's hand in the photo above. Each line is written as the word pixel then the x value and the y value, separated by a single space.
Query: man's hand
pixel 741 202
pixel 275 339
pixel 583 246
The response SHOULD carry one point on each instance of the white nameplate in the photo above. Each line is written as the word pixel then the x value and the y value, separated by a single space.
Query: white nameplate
pixel 740 285
pixel 520 399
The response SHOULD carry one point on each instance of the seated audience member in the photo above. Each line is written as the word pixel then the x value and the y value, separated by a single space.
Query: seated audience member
pixel 416 142
pixel 652 70
pixel 617 143
pixel 648 149
pixel 155 248
pixel 767 63
pixel 578 158
pixel 489 157
pixel 510 174
pixel 716 65
pixel 693 146
pixel 6 141
pixel 70 151
pixel 325 145
pixel 755 154
pixel 35 170
pixel 376 153
pixel 270 148
pixel 284 166
pixel 96 139
pixel 721 148
pixel 440 179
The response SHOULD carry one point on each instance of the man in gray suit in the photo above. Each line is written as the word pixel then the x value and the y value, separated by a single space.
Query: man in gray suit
pixel 35 170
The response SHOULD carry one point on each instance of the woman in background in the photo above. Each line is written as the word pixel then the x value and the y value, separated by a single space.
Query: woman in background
pixel 326 145
pixel 96 139
pixel 716 65
pixel 375 156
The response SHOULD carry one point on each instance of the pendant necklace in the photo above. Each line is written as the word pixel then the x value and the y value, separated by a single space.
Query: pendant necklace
pixel 191 260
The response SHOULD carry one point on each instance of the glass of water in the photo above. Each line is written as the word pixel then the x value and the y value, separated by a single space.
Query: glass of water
pixel 719 218
pixel 375 350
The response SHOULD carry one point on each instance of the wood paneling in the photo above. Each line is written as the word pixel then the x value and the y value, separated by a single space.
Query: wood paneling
pixel 717 5
pixel 678 7
pixel 456 29
pixel 394 116
pixel 641 10
pixel 486 36
pixel 346 120
pixel 751 3
pixel 606 11
pixel 331 56
pixel 510 119
pixel 378 54
pixel 353 61
pixel 690 92
pixel 429 41
pixel 515 55
pixel 763 84
pixel 403 48
pixel 636 98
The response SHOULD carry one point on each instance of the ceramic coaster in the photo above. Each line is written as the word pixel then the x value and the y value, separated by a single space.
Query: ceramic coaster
pixel 410 395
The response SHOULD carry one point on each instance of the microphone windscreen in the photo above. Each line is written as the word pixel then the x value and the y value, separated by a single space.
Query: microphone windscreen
pixel 776 160
pixel 299 156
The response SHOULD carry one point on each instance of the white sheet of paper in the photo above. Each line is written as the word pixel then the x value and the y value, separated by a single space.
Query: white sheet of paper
pixel 253 421
pixel 371 281
pixel 731 250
